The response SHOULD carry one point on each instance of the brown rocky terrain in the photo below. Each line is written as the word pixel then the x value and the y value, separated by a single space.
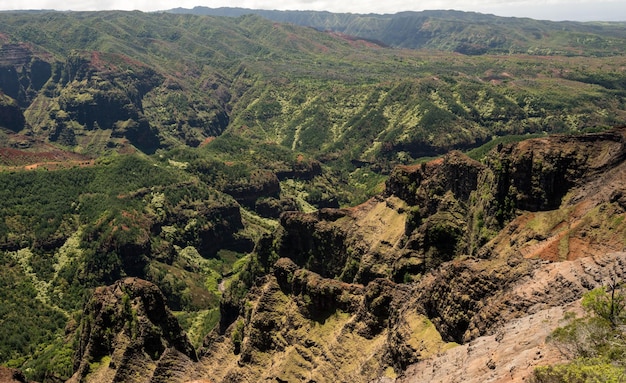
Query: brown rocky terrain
pixel 458 272
pixel 11 375
pixel 19 152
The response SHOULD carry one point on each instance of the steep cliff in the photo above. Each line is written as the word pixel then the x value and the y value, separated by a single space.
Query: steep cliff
pixel 128 335
pixel 454 252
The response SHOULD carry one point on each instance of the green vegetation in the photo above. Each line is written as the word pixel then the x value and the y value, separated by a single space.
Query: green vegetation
pixel 596 343
pixel 467 33
pixel 480 152
pixel 31 328
pixel 289 90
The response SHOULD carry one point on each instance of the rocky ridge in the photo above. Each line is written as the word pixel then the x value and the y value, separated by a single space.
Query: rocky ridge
pixel 128 335
pixel 458 263
pixel 425 228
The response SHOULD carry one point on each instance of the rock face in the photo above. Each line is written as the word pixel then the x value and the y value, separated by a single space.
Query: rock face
pixel 11 116
pixel 514 321
pixel 508 356
pixel 260 184
pixel 128 335
pixel 90 97
pixel 22 72
pixel 454 252
pixel 104 100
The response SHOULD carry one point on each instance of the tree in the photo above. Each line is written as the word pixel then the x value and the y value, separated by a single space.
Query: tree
pixel 609 306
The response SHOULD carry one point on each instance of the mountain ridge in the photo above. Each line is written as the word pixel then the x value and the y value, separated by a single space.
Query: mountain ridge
pixel 411 29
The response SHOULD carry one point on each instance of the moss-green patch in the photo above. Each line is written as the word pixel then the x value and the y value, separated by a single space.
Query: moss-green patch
pixel 256 225
pixel 296 189
pixel 544 222
pixel 390 373
pixel 198 324
pixel 480 152
pixel 581 370
pixel 96 367
pixel 424 336
pixel 564 245
pixel 330 326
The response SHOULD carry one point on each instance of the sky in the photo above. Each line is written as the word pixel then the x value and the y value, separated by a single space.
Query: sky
pixel 579 10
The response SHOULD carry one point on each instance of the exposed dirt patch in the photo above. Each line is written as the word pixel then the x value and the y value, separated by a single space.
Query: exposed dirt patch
pixel 510 355
pixel 16 159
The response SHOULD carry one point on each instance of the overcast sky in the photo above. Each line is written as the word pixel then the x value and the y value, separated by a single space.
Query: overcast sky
pixel 582 10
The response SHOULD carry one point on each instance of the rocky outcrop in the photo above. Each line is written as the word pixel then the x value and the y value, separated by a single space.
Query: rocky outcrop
pixel 301 169
pixel 508 326
pixel 272 207
pixel 95 98
pixel 425 184
pixel 510 355
pixel 314 243
pixel 260 184
pixel 127 334
pixel 299 326
pixel 535 175
pixel 207 226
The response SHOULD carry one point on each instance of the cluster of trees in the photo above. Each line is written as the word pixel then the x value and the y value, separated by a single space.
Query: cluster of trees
pixel 595 343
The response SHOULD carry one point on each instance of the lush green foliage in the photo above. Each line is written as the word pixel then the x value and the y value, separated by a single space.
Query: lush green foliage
pixel 609 306
pixel 582 370
pixel 29 323
pixel 40 206
pixel 65 231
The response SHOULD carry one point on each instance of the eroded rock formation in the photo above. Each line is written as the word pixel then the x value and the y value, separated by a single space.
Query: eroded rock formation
pixel 454 252
pixel 458 272
pixel 128 335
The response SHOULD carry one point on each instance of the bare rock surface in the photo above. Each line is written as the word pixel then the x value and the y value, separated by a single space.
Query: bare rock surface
pixel 510 355
pixel 515 322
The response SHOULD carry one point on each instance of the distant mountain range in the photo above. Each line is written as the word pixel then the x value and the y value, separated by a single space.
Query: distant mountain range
pixel 463 32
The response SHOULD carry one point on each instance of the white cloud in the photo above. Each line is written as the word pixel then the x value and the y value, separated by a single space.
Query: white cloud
pixel 540 9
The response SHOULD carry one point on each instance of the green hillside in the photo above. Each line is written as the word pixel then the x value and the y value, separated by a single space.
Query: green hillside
pixel 166 146
pixel 169 80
